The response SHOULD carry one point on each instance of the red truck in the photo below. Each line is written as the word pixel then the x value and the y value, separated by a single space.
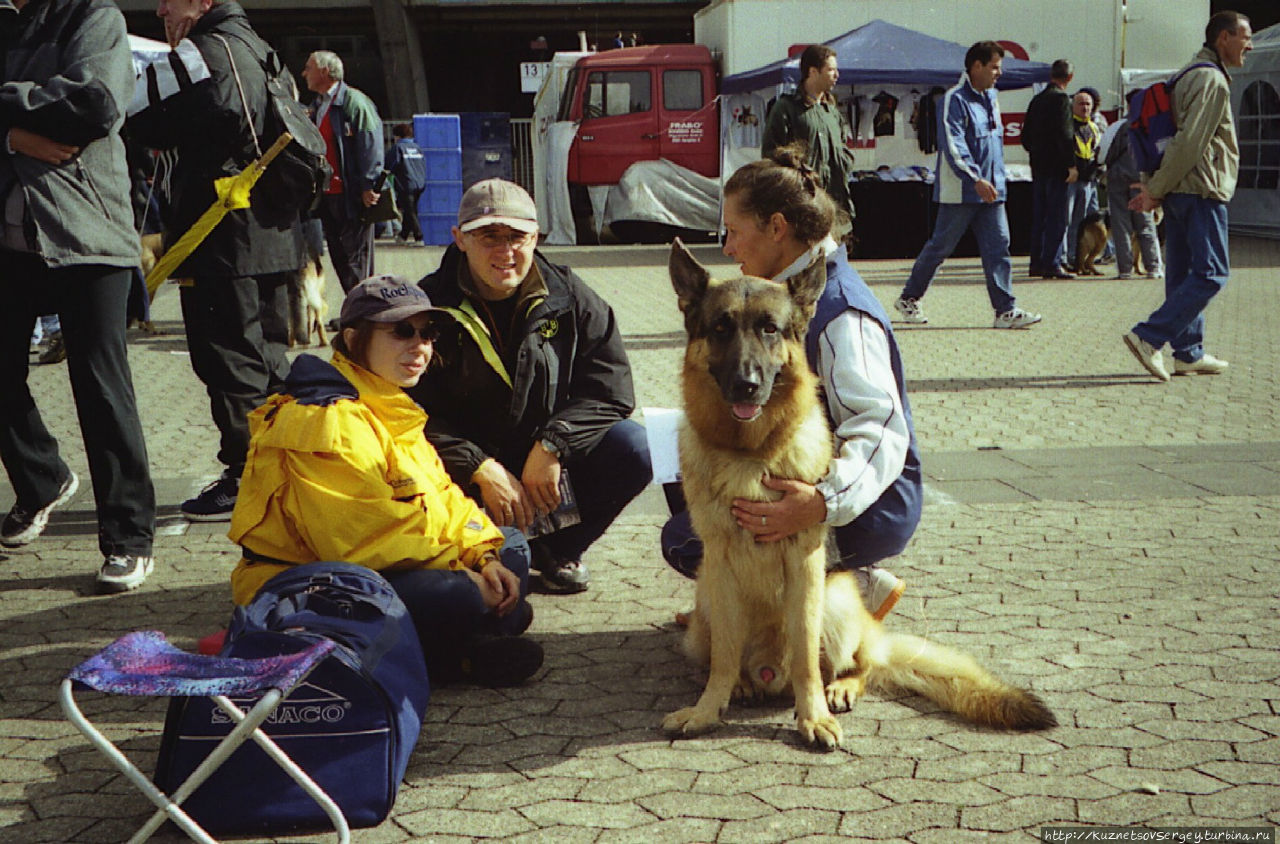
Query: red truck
pixel 642 104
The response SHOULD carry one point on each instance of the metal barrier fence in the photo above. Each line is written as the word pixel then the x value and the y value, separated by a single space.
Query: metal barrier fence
pixel 522 152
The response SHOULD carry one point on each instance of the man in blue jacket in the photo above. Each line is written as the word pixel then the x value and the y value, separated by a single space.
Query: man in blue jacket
pixel 970 191
pixel 408 167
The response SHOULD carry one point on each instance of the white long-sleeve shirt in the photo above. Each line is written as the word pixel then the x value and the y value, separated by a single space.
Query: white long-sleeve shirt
pixel 864 404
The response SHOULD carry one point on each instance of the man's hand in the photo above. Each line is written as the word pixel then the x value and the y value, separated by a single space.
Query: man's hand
pixel 541 478
pixel 1144 201
pixel 986 190
pixel 1073 175
pixel 505 498
pixel 499 587
pixel 800 507
pixel 40 148
pixel 370 198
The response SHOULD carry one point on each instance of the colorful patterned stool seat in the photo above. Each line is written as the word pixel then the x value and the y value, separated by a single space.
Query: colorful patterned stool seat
pixel 145 664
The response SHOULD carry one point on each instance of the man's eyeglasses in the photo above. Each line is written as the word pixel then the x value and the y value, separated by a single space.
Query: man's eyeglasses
pixel 514 239
pixel 406 331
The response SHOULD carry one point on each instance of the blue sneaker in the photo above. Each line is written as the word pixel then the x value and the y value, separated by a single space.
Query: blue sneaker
pixel 214 503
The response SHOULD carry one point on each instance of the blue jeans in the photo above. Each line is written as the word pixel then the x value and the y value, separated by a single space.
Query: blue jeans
pixel 447 608
pixel 990 227
pixel 1050 212
pixel 1196 268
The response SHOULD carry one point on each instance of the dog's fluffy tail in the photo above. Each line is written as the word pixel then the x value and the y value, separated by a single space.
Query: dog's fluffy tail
pixel 957 682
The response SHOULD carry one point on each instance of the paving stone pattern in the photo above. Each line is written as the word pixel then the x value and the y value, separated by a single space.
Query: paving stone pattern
pixel 1107 540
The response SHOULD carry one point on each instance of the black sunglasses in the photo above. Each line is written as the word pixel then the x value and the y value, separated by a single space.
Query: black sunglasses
pixel 405 331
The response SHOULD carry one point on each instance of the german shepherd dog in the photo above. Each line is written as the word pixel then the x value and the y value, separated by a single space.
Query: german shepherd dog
pixel 307 307
pixel 767 616
pixel 1091 239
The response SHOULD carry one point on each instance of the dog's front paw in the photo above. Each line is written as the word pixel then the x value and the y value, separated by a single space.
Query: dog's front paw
pixel 821 732
pixel 842 693
pixel 690 721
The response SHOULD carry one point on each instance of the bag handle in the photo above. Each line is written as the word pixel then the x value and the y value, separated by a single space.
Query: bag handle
pixel 248 115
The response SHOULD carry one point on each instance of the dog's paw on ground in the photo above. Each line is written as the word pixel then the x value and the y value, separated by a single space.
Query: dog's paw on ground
pixel 823 732
pixel 842 693
pixel 690 721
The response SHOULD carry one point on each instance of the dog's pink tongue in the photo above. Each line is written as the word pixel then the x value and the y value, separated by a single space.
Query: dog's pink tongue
pixel 766 674
pixel 746 411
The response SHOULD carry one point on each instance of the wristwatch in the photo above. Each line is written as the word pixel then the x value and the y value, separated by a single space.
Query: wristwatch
pixel 551 448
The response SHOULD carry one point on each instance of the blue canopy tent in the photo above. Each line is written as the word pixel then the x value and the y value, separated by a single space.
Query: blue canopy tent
pixel 880 53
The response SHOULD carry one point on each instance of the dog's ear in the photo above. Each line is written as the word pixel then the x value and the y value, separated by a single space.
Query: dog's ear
pixel 688 277
pixel 807 285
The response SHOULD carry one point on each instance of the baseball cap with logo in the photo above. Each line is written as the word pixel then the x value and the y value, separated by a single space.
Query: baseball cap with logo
pixel 497 202
pixel 383 298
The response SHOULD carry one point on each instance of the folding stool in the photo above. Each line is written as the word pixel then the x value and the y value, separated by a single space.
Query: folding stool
pixel 145 664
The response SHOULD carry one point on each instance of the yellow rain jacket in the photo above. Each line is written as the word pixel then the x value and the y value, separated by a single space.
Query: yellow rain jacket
pixel 339 470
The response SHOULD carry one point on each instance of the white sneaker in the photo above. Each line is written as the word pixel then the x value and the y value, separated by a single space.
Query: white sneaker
pixel 1148 355
pixel 122 572
pixel 1016 318
pixel 880 590
pixel 1207 365
pixel 910 311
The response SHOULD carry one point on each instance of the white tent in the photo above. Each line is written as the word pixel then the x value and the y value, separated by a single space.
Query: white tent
pixel 1255 100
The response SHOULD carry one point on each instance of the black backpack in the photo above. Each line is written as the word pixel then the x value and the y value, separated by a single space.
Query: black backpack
pixel 291 186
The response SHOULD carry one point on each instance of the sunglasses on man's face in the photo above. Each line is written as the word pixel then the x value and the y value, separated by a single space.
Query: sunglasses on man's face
pixel 429 332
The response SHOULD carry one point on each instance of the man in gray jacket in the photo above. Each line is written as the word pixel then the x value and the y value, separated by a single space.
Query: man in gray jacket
pixel 1194 182
pixel 69 247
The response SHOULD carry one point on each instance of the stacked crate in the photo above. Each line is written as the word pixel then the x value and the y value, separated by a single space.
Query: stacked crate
pixel 486 146
pixel 440 136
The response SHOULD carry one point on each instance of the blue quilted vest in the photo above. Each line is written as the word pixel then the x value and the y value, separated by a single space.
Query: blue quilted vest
pixel 884 529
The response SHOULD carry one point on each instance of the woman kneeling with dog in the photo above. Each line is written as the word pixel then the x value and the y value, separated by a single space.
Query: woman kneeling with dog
pixel 778 221
pixel 339 470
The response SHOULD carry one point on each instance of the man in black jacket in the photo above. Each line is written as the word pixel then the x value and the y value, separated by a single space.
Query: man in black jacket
pixel 1048 134
pixel 532 381
pixel 234 293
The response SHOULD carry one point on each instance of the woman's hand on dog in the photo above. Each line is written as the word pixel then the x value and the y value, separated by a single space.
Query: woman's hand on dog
pixel 800 507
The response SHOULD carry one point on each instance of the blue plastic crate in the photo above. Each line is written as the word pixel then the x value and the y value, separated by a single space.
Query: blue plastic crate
pixel 437 229
pixel 441 198
pixel 437 131
pixel 481 164
pixel 443 165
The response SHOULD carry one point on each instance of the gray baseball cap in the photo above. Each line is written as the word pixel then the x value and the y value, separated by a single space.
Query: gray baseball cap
pixel 383 298
pixel 497 202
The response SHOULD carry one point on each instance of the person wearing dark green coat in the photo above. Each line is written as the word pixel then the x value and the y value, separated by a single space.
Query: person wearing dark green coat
pixel 811 116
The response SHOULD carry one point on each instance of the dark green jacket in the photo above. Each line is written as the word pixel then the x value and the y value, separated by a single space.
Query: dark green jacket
pixel 823 130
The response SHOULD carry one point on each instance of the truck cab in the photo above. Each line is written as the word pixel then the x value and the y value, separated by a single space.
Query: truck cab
pixel 641 104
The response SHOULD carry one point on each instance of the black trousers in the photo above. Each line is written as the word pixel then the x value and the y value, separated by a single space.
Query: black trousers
pixel 407 202
pixel 350 241
pixel 237 330
pixel 91 302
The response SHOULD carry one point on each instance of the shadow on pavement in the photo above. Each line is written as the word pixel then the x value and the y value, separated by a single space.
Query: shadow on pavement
pixel 1042 382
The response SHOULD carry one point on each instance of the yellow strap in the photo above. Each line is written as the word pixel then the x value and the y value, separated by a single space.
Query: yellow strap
pixel 470 320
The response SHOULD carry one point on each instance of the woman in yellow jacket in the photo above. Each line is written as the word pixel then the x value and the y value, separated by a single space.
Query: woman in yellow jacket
pixel 339 470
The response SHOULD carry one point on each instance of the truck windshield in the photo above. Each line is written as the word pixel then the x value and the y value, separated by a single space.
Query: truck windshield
pixel 616 92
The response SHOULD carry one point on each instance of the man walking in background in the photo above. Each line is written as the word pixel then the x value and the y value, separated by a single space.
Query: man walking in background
pixel 352 132
pixel 408 167
pixel 970 191
pixel 1194 182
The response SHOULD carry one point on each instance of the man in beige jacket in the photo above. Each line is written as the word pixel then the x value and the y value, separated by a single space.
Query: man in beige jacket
pixel 1194 182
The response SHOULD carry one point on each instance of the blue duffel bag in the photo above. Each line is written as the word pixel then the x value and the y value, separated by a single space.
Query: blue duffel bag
pixel 351 725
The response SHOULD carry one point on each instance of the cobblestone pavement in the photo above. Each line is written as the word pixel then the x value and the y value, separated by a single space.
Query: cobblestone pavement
pixel 1110 541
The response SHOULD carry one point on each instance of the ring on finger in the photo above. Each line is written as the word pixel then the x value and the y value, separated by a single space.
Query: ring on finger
pixel 764 521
